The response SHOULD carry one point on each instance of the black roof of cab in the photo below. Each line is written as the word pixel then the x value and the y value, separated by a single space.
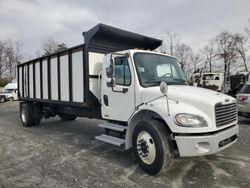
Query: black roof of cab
pixel 107 39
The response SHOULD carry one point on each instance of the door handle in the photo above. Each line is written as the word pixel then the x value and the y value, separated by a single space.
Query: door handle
pixel 123 90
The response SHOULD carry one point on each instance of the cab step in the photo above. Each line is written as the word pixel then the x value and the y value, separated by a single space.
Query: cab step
pixel 110 140
pixel 113 127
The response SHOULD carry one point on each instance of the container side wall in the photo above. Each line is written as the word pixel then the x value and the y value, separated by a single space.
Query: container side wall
pixel 31 80
pixel 45 78
pixel 37 80
pixel 77 76
pixel 25 87
pixel 20 81
pixel 64 70
pixel 54 79
pixel 95 67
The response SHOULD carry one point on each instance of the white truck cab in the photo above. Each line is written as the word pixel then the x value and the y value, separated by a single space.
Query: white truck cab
pixel 197 121
pixel 142 96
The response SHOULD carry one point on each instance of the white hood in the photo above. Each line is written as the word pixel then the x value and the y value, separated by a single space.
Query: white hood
pixel 190 99
pixel 188 94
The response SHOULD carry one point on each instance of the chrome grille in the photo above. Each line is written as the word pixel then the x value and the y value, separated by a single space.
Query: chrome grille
pixel 225 113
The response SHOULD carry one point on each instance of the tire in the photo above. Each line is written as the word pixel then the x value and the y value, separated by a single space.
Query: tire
pixel 11 99
pixel 2 100
pixel 67 117
pixel 37 114
pixel 26 115
pixel 151 147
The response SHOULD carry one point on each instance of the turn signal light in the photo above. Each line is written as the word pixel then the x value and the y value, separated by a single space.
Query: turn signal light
pixel 243 98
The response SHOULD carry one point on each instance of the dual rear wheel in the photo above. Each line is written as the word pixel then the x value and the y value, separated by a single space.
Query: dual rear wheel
pixel 30 114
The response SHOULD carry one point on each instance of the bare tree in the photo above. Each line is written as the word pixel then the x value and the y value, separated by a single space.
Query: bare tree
pixel 242 46
pixel 50 46
pixel 170 42
pixel 195 59
pixel 10 55
pixel 226 51
pixel 3 66
pixel 183 53
pixel 209 53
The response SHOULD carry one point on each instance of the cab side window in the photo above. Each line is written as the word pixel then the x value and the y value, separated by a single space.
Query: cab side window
pixel 122 72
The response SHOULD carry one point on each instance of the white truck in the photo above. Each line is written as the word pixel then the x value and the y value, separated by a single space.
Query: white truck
pixel 9 93
pixel 142 95
pixel 212 80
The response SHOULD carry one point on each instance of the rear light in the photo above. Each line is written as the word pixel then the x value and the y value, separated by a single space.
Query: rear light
pixel 243 98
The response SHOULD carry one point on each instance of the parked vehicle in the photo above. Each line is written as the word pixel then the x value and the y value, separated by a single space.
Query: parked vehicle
pixel 9 93
pixel 236 82
pixel 142 95
pixel 213 81
pixel 243 101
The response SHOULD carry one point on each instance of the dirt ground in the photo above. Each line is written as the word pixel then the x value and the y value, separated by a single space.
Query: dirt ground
pixel 65 154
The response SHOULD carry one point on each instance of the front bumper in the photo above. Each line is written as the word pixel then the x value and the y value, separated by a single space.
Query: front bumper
pixel 206 144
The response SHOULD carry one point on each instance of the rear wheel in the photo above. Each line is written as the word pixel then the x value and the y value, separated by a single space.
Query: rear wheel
pixel 37 113
pixel 151 147
pixel 26 115
pixel 67 117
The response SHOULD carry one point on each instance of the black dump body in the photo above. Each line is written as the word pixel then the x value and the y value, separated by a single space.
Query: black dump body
pixel 108 39
pixel 52 80
pixel 236 83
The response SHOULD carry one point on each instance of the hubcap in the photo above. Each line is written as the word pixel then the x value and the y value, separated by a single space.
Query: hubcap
pixel 146 147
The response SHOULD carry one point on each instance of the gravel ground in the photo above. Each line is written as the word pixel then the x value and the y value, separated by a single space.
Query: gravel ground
pixel 65 154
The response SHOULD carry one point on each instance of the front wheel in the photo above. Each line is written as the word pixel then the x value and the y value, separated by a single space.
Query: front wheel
pixel 151 147
pixel 11 99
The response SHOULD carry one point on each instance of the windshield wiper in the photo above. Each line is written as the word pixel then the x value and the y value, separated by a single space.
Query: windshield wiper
pixel 153 83
pixel 179 79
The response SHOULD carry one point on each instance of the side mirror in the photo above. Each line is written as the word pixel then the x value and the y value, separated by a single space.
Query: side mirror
pixel 110 82
pixel 164 88
pixel 109 72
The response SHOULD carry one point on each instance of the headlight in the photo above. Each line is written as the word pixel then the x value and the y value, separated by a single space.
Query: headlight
pixel 190 120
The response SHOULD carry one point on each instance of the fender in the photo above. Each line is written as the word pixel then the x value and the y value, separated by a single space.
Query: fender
pixel 143 114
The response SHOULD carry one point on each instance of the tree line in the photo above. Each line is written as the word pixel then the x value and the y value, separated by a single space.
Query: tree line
pixel 224 50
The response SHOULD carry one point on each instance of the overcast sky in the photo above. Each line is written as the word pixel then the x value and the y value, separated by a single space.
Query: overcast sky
pixel 196 21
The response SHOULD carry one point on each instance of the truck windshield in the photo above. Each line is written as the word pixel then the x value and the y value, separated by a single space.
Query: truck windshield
pixel 152 69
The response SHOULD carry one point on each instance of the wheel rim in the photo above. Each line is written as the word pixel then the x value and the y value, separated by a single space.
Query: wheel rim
pixel 146 147
pixel 23 115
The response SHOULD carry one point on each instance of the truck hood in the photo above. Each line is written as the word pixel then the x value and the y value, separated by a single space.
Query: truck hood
pixel 191 100
pixel 188 94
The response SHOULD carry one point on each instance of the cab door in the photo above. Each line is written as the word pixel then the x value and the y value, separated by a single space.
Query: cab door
pixel 118 101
